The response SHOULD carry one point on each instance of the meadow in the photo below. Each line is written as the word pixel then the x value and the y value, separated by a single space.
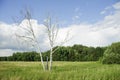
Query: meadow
pixel 61 71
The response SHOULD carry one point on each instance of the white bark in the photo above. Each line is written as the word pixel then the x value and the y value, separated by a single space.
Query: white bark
pixel 52 30
pixel 30 36
pixel 50 65
pixel 40 56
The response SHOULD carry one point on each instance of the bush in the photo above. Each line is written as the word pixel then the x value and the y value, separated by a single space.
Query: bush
pixel 112 54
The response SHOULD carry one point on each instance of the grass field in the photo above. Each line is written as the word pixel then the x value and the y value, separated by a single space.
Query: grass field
pixel 61 71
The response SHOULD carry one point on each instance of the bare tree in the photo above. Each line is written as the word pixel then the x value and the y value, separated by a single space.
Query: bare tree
pixel 29 35
pixel 52 31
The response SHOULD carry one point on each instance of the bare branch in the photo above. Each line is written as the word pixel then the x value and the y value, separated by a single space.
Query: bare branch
pixel 52 31
pixel 29 34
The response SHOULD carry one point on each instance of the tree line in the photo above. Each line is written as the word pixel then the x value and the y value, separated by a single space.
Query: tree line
pixel 74 53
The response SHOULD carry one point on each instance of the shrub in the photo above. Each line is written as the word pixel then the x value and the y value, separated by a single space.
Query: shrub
pixel 112 54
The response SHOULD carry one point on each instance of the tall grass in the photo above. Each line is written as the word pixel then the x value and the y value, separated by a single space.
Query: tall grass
pixel 61 71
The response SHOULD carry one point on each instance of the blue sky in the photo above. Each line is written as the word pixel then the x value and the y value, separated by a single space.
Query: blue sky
pixel 90 22
pixel 84 11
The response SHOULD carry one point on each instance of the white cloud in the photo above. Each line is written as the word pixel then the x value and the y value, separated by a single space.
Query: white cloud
pixel 6 52
pixel 87 35
pixel 9 43
pixel 6 35
pixel 103 12
pixel 107 10
pixel 117 5
pixel 77 15
pixel 40 33
pixel 101 33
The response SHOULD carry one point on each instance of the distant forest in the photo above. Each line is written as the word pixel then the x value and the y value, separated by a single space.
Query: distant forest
pixel 74 53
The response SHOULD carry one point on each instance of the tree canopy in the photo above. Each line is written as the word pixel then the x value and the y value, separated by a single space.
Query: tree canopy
pixel 112 54
pixel 74 53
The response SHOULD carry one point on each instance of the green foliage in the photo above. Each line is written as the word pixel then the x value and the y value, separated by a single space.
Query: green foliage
pixel 3 59
pixel 61 71
pixel 77 53
pixel 74 53
pixel 22 56
pixel 112 54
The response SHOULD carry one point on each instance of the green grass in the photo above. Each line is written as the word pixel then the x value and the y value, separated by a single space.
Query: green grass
pixel 61 71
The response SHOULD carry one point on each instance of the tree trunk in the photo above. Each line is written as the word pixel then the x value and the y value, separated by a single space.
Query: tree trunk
pixel 47 63
pixel 41 57
pixel 50 65
pixel 42 63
